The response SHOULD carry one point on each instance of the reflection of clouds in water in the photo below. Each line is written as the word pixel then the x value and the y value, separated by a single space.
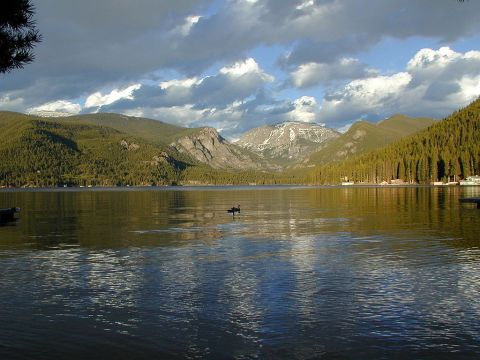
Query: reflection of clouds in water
pixel 469 281
pixel 239 295
pixel 417 297
pixel 303 256
pixel 384 294
pixel 176 282
pixel 58 271
pixel 113 279
pixel 89 285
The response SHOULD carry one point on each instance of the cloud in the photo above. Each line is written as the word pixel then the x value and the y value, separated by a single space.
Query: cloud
pixel 234 82
pixel 11 103
pixel 189 23
pixel 313 74
pixel 110 41
pixel 61 106
pixel 305 109
pixel 98 100
pixel 339 29
pixel 434 83
pixel 157 57
pixel 369 96
pixel 241 68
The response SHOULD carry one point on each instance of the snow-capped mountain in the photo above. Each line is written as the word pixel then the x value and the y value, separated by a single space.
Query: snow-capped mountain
pixel 288 141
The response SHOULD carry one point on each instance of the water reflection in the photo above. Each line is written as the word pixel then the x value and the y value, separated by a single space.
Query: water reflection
pixel 300 273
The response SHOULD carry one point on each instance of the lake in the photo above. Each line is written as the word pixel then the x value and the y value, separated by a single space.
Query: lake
pixel 300 273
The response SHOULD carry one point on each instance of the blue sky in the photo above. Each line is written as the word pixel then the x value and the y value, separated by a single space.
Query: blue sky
pixel 238 64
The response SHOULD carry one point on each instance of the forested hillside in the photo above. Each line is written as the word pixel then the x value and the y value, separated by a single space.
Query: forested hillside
pixel 364 136
pixel 447 149
pixel 39 152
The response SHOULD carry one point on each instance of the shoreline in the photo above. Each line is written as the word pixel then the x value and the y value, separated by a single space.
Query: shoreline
pixel 216 187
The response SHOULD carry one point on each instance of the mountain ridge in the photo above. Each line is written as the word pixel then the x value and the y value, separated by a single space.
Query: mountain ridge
pixel 110 149
pixel 364 136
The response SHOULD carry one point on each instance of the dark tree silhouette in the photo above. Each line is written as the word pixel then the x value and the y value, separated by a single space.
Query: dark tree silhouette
pixel 18 34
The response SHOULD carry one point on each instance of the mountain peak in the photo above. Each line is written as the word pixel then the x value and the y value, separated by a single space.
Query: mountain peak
pixel 287 141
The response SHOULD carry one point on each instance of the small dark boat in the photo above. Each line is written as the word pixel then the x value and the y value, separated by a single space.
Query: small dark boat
pixel 8 214
pixel 233 210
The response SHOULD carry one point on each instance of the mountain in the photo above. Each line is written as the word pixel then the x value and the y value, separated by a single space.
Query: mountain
pixel 287 142
pixel 208 147
pixel 204 144
pixel 44 152
pixel 445 150
pixel 364 136
pixel 110 149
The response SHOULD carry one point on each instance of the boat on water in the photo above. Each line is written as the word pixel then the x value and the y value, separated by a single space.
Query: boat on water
pixel 471 181
pixel 347 183
pixel 8 214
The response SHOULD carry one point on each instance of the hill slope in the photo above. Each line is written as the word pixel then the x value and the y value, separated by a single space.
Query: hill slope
pixel 40 152
pixel 364 136
pixel 447 149
pixel 152 130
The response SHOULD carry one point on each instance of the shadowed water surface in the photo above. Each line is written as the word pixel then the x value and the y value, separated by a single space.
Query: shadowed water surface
pixel 301 273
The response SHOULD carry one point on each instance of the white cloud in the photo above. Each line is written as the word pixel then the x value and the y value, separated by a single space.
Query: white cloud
pixel 232 83
pixel 312 74
pixel 370 96
pixel 305 109
pixel 186 83
pixel 435 83
pixel 59 106
pixel 189 22
pixel 470 88
pixel 185 115
pixel 429 58
pixel 248 66
pixel 98 100
pixel 305 4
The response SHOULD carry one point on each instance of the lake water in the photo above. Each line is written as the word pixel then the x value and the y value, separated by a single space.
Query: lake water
pixel 301 273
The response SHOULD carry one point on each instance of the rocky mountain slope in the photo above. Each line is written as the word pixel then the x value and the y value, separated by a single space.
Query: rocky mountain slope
pixel 365 136
pixel 287 142
pixel 207 146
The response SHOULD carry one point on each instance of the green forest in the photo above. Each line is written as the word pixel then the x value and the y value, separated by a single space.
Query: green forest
pixel 39 152
pixel 446 150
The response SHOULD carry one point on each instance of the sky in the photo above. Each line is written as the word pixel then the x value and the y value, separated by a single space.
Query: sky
pixel 238 64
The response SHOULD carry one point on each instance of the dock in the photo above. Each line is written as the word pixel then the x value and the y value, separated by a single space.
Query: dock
pixel 471 201
pixel 8 214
